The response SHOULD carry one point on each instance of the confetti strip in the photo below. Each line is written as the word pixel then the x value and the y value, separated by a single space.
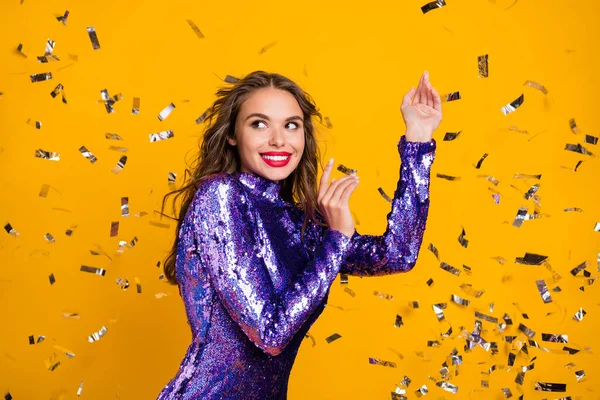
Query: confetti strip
pixel 93 37
pixel 550 387
pixel 87 154
pixel 47 155
pixel 482 64
pixel 124 206
pixel 166 112
pixel 537 86
pixel 195 29
pixel 332 338
pixel 376 361
pixel 432 6
pixel 346 170
pixel 231 79
pixel 267 47
pixel 541 285
pixel 93 270
pixel 135 109
pixel 202 117
pixel 385 196
pixel 63 18
pixel 44 76
pixel 94 337
pixel 161 136
pixel 449 136
pixel 512 106
pixel 120 165
pixel 577 148
pixel 398 322
pixel 451 96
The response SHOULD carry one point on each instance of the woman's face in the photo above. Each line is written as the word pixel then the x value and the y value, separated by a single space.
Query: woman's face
pixel 269 134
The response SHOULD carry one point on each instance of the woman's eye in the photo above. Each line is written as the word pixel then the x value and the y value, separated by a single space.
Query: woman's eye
pixel 295 125
pixel 255 123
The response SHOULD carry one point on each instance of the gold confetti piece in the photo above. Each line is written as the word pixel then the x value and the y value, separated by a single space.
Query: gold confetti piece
pixel 171 178
pixel 120 165
pixel 195 29
pixel 166 112
pixel 44 76
pixel 328 123
pixel 120 149
pixel 482 64
pixel 67 352
pixel 161 136
pixel 160 295
pixel 349 291
pixel 80 389
pixel 511 107
pixel 376 361
pixel 579 315
pixel 432 248
pixel 59 89
pixel 112 136
pixel 537 86
pixel 448 177
pixel 398 322
pixel 385 196
pixel 138 285
pixel 514 128
pixel 413 304
pixel 20 50
pixel 485 384
pixel 332 338
pixel 135 109
pixel 486 317
pixel 201 118
pixel 231 79
pixel 481 161
pixel 49 238
pixel 114 228
pixel 573 126
pixel 597 227
pixel 591 139
pixel 63 18
pixel 577 148
pixel 432 6
pixel 541 285
pixel 314 342
pixel 468 289
pixel 461 239
pixel 48 58
pixel 159 225
pixel 94 337
pixel 449 268
pixel 47 155
pixel 383 295
pixel 346 170
pixel 459 301
pixel 531 191
pixel 93 37
pixel 33 340
pixel 35 124
pixel 451 96
pixel 507 392
pixel 51 363
pixel 70 315
pixel 93 270
pixel 123 283
pixel 449 136
pixel 433 343
pixel 87 154
pixel 267 47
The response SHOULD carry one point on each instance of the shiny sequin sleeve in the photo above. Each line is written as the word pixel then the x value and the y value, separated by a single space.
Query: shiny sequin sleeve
pixel 228 237
pixel 397 249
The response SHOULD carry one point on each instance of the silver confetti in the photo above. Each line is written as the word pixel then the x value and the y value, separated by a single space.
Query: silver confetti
pixel 93 270
pixel 543 289
pixel 385 196
pixel 460 301
pixel 346 170
pixel 87 154
pixel 135 109
pixel 510 107
pixel 97 335
pixel 93 37
pixel 449 268
pixel 579 315
pixel 166 112
pixel 451 96
pixel 44 76
pixel 160 136
pixel 447 387
pixel 120 165
pixel 125 206
pixel 47 155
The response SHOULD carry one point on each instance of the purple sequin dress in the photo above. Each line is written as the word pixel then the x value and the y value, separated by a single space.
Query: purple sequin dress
pixel 252 289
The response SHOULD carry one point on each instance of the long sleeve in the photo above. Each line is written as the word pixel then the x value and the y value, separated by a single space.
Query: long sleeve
pixel 226 233
pixel 397 249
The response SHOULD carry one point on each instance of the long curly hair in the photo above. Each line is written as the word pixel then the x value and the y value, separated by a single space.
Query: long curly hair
pixel 218 156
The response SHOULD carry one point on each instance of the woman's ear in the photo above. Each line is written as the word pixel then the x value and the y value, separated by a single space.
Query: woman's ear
pixel 232 141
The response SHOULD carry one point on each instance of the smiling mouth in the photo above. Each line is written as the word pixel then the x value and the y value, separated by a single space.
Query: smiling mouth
pixel 275 158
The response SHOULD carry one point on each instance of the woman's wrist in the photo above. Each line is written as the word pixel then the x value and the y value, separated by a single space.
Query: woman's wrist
pixel 414 134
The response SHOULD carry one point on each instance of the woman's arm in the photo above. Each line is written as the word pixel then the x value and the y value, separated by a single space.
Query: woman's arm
pixel 397 249
pixel 226 232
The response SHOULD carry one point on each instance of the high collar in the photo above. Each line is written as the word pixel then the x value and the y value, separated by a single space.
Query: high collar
pixel 259 185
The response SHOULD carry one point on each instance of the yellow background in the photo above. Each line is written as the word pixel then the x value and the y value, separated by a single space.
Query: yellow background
pixel 357 60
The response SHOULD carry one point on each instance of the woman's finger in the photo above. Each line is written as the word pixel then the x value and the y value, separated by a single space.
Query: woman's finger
pixel 337 194
pixel 437 100
pixel 348 191
pixel 419 97
pixel 331 189
pixel 408 97
pixel 324 179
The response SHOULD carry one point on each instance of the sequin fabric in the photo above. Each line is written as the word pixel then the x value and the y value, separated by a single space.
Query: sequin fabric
pixel 252 289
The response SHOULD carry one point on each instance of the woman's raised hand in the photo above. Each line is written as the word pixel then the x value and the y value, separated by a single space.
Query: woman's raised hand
pixel 333 200
pixel 422 111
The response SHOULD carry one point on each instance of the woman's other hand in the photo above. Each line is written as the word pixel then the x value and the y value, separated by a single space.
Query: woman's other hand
pixel 333 200
pixel 421 110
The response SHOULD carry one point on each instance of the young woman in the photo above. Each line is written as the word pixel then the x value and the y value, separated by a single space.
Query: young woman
pixel 259 246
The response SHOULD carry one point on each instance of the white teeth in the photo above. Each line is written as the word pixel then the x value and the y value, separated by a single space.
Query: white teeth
pixel 275 158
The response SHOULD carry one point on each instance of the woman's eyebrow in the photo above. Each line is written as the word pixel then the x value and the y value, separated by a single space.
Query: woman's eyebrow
pixel 267 118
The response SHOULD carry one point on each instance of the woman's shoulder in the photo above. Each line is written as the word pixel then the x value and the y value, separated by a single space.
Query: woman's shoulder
pixel 220 184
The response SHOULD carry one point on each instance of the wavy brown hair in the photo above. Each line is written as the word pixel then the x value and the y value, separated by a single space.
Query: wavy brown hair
pixel 217 155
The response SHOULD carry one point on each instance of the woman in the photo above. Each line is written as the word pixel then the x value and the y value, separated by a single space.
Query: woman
pixel 259 246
